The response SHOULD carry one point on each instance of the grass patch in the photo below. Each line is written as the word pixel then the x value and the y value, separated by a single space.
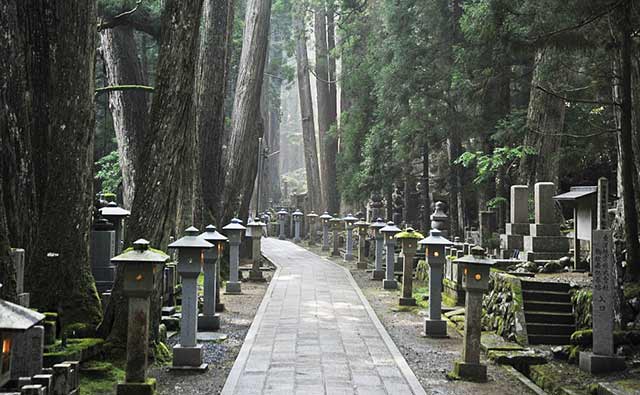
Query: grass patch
pixel 418 295
pixel 73 346
pixel 100 377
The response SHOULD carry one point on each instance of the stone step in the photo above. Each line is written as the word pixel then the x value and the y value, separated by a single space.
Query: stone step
pixel 545 317
pixel 545 286
pixel 549 339
pixel 531 256
pixel 557 244
pixel 545 296
pixel 554 307
pixel 550 329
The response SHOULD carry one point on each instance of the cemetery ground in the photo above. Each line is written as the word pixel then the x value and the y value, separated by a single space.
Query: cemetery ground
pixel 555 369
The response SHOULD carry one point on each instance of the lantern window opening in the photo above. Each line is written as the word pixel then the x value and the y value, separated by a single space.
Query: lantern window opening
pixel 6 355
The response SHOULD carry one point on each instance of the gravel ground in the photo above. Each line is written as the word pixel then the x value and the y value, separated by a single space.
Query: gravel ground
pixel 430 359
pixel 236 320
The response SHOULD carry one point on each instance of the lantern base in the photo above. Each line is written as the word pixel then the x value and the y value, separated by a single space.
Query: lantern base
pixel 362 265
pixel 325 248
pixel 233 288
pixel 389 284
pixel 435 328
pixel 207 322
pixel 146 388
pixel 470 371
pixel 256 276
pixel 282 237
pixel 407 302
pixel 297 240
pixel 595 364
pixel 377 274
pixel 219 307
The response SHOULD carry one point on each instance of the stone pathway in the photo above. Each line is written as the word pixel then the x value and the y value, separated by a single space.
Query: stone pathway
pixel 315 333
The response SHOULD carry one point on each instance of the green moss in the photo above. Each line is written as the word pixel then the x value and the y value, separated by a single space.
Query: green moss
pixel 162 354
pixel 582 337
pixel 50 316
pixel 409 235
pixel 100 378
pixel 631 290
pixel 73 346
pixel 150 249
pixel 581 300
pixel 78 330
pixel 630 384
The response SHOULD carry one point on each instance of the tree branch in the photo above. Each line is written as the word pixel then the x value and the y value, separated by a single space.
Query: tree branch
pixel 600 103
pixel 123 88
pixel 114 20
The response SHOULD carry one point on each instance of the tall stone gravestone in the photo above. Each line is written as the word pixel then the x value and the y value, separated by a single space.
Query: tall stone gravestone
pixel 17 256
pixel 518 225
pixel 27 355
pixel 103 248
pixel 602 358
pixel 544 241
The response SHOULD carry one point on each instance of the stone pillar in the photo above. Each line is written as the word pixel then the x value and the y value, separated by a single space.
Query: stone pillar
pixel 325 236
pixel 282 235
pixel 234 285
pixel 348 256
pixel 209 320
pixel 487 227
pixel 602 359
pixel 518 227
pixel 470 367
pixel 296 224
pixel 389 281
pixel 336 243
pixel 138 339
pixel 219 305
pixel 543 201
pixel 362 247
pixel 407 298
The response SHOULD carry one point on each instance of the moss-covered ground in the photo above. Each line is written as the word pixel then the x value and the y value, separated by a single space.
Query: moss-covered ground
pixel 101 377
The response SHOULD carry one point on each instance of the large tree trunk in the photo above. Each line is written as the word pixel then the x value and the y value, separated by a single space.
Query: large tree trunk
pixel 326 96
pixel 61 45
pixel 128 108
pixel 166 178
pixel 306 115
pixel 211 87
pixel 246 125
pixel 545 121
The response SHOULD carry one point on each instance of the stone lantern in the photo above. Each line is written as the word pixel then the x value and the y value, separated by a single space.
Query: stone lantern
pixel 439 218
pixel 362 227
pixel 389 231
pixel 14 319
pixel 313 217
pixel 297 220
pixel 435 256
pixel 254 231
pixel 140 267
pixel 378 272
pixel 475 281
pixel 116 216
pixel 349 222
pixel 282 219
pixel 325 218
pixel 409 242
pixel 188 354
pixel 234 231
pixel 209 320
pixel 335 228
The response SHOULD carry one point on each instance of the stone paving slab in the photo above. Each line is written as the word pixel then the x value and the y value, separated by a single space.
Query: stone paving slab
pixel 315 333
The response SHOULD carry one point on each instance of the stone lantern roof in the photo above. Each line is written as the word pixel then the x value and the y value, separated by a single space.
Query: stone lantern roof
pixel 112 210
pixel 14 317
pixel 211 234
pixel 435 238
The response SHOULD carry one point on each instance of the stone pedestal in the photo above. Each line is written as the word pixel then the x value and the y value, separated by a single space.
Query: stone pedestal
pixel 188 354
pixel 470 367
pixel 137 340
pixel 325 237
pixel 362 251
pixel 434 326
pixel 348 255
pixel 256 260
pixel 146 388
pixel 233 285
pixel 209 320
pixel 296 235
pixel 407 298
pixel 336 244
pixel 188 357
pixel 282 235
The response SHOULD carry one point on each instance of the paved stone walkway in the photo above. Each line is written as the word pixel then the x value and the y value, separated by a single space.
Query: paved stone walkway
pixel 315 333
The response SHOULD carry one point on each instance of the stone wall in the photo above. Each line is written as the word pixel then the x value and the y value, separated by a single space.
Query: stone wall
pixel 503 309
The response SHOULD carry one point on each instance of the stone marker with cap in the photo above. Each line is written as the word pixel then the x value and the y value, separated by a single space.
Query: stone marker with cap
pixel 335 228
pixel 602 358
pixel 313 218
pixel 139 274
pixel 378 238
pixel 349 222
pixel 439 219
pixel 188 354
pixel 234 232
pixel 282 219
pixel 116 215
pixel 362 227
pixel 408 240
pixel 325 217
pixel 254 231
pixel 518 225
pixel 209 320
pixel 388 232
pixel 297 222
pixel 475 281
pixel 435 244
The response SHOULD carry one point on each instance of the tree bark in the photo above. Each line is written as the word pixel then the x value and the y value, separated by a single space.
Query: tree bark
pixel 246 125
pixel 210 94
pixel 545 121
pixel 129 109
pixel 167 177
pixel 61 47
pixel 314 194
pixel 326 99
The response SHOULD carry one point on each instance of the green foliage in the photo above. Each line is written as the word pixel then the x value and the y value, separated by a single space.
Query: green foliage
pixel 488 165
pixel 109 172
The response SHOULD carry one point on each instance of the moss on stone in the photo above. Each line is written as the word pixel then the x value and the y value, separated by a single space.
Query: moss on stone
pixel 162 354
pixel 100 378
pixel 631 290
pixel 582 337
pixel 74 347
pixel 78 330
